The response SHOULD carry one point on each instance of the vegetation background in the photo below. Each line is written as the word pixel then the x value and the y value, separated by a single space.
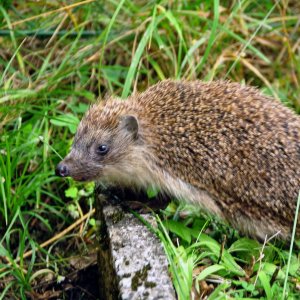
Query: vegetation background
pixel 57 57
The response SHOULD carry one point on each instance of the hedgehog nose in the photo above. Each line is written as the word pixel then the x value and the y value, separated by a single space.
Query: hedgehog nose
pixel 62 170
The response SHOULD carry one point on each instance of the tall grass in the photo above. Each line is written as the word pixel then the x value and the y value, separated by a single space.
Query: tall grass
pixel 79 51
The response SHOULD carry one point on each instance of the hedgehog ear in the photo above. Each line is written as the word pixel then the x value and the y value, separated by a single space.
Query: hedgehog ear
pixel 130 124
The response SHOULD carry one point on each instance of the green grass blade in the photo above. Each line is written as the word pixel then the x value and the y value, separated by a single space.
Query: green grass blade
pixel 266 284
pixel 10 62
pixel 211 37
pixel 108 30
pixel 4 199
pixel 256 51
pixel 215 295
pixel 10 226
pixel 13 39
pixel 252 37
pixel 209 270
pixel 157 68
pixel 7 287
pixel 190 52
pixel 137 57
pixel 291 247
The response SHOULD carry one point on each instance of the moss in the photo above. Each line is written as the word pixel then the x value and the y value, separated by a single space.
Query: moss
pixel 150 284
pixel 146 294
pixel 139 277
pixel 117 216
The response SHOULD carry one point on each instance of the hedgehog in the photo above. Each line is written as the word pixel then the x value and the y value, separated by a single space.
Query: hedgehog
pixel 219 145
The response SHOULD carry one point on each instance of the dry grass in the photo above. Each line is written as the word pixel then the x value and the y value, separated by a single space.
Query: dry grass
pixel 57 57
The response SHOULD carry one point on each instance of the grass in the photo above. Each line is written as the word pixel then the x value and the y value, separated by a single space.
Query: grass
pixel 213 260
pixel 57 58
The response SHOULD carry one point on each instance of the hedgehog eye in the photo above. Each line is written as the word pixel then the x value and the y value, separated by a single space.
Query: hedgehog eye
pixel 102 149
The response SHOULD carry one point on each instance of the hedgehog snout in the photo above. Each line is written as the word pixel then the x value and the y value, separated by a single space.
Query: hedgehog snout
pixel 62 170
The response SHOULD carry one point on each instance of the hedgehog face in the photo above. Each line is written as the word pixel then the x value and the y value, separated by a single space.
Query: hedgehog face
pixel 101 150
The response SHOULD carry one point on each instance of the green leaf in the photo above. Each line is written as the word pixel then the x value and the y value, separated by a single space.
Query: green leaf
pixel 266 284
pixel 209 270
pixel 244 244
pixel 3 251
pixel 73 211
pixel 269 269
pixel 72 192
pixel 67 120
pixel 249 287
pixel 245 248
pixel 219 290
pixel 179 229
pixel 152 192
pixel 294 265
pixel 92 222
pixel 79 108
pixel 227 260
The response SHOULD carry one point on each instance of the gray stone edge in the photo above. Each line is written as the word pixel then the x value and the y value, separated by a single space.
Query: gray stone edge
pixel 131 260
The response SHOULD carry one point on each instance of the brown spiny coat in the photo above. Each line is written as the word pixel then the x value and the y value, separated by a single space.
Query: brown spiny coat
pixel 220 145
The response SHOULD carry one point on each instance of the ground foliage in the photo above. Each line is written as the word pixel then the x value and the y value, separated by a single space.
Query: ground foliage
pixel 57 57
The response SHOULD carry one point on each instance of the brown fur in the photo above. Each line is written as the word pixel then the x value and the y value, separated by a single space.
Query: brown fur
pixel 220 145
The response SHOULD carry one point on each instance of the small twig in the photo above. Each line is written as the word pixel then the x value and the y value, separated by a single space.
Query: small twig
pixel 261 256
pixel 54 238
pixel 56 31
